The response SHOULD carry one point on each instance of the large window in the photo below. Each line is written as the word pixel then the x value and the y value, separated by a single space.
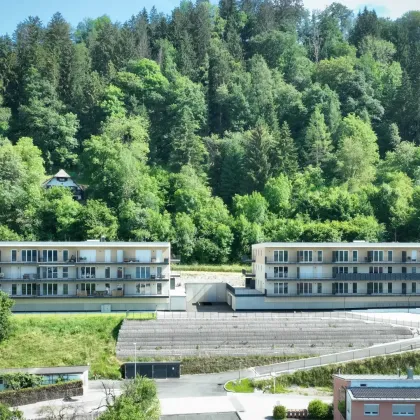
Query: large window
pixel 319 288
pixel 354 287
pixel 304 288
pixel 340 256
pixel 378 255
pixel 355 256
pixel 29 255
pixel 389 287
pixel 14 289
pixel 281 272
pixel 65 289
pixel 305 256
pixel 88 272
pixel 376 270
pixel 281 256
pixel 371 410
pixel 319 256
pixel 107 272
pixel 342 288
pixel 90 288
pixel 14 255
pixel 159 288
pixel 159 272
pixel 65 272
pixel 65 255
pixel 281 288
pixel 404 410
pixel 28 289
pixel 142 272
pixel 49 255
pixel 49 272
pixel 413 287
pixel 389 256
pixel 375 287
pixel 49 289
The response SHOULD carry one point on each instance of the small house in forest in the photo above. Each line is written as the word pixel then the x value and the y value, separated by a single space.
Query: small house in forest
pixel 63 179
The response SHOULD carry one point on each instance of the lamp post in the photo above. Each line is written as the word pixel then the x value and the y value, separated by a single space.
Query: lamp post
pixel 135 360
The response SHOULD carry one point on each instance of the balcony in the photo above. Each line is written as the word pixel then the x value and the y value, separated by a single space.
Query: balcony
pixel 351 277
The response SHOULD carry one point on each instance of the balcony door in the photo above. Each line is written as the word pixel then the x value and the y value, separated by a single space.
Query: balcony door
pixel 107 255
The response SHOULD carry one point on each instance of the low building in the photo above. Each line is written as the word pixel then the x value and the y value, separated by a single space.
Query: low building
pixel 51 375
pixel 323 276
pixel 63 179
pixel 357 397
pixel 89 276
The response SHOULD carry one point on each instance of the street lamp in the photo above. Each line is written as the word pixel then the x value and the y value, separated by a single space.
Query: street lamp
pixel 135 360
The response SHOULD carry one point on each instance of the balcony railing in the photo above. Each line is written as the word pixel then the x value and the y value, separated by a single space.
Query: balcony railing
pixel 71 261
pixel 84 279
pixel 351 277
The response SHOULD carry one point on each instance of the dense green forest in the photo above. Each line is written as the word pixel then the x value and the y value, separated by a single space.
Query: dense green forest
pixel 214 127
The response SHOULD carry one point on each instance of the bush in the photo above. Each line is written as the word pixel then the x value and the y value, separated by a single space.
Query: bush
pixel 6 414
pixel 5 312
pixel 279 412
pixel 20 380
pixel 319 410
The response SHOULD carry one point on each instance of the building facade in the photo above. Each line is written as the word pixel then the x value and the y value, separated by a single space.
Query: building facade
pixel 330 276
pixel 358 397
pixel 88 276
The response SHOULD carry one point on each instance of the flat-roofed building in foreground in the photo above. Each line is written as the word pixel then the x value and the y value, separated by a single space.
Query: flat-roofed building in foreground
pixel 318 276
pixel 89 276
pixel 358 397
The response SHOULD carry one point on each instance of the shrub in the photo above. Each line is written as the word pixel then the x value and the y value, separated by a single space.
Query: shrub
pixel 279 412
pixel 6 414
pixel 5 312
pixel 20 380
pixel 319 410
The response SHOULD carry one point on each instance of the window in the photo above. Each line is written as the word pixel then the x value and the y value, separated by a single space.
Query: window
pixel 29 255
pixel 389 287
pixel 28 289
pixel 49 272
pixel 281 256
pixel 305 256
pixel 354 287
pixel 142 272
pixel 107 272
pixel 404 410
pixel 355 256
pixel 378 255
pixel 281 288
pixel 49 255
pixel 389 270
pixel 304 288
pixel 14 255
pixel 281 272
pixel 65 255
pixel 159 272
pixel 319 256
pixel 354 270
pixel 14 289
pixel 414 270
pixel 88 272
pixel 375 287
pixel 65 289
pixel 341 270
pixel 341 256
pixel 404 270
pixel 413 287
pixel 120 273
pixel 142 289
pixel 376 270
pixel 404 288
pixel 342 288
pixel 319 288
pixel 65 272
pixel 390 256
pixel 49 289
pixel 159 288
pixel 371 410
pixel 90 288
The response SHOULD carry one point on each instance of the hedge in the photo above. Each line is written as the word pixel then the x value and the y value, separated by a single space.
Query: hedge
pixel 41 393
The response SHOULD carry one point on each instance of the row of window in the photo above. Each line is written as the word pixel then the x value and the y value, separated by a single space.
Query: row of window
pixel 338 256
pixel 398 410
pixel 51 289
pixel 342 288
pixel 283 272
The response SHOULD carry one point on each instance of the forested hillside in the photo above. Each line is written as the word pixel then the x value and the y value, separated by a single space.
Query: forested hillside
pixel 214 127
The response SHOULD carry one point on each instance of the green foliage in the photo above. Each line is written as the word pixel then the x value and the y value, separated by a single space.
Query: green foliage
pixel 139 400
pixel 16 381
pixel 7 414
pixel 279 412
pixel 6 305
pixel 319 410
pixel 243 387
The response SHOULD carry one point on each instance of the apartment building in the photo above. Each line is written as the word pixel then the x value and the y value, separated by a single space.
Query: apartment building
pixel 330 276
pixel 89 276
pixel 358 397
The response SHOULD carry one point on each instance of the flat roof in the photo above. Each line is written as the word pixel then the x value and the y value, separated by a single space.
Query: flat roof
pixel 371 245
pixel 363 393
pixel 83 244
pixel 56 370
pixel 377 377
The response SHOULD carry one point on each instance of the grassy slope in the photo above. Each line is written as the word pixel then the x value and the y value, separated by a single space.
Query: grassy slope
pixel 61 340
pixel 222 268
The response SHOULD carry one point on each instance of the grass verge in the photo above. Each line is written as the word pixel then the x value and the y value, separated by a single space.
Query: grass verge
pixel 244 386
pixel 65 340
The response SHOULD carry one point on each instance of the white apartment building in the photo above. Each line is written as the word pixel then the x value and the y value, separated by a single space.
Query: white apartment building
pixel 89 276
pixel 360 274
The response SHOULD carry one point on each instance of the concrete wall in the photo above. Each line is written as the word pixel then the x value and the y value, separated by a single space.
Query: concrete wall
pixel 206 292
pixel 178 303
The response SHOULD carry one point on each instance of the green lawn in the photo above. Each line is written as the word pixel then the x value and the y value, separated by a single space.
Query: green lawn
pixel 221 268
pixel 65 340
pixel 244 386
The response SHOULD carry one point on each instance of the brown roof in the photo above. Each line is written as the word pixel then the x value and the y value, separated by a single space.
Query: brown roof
pixel 386 393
